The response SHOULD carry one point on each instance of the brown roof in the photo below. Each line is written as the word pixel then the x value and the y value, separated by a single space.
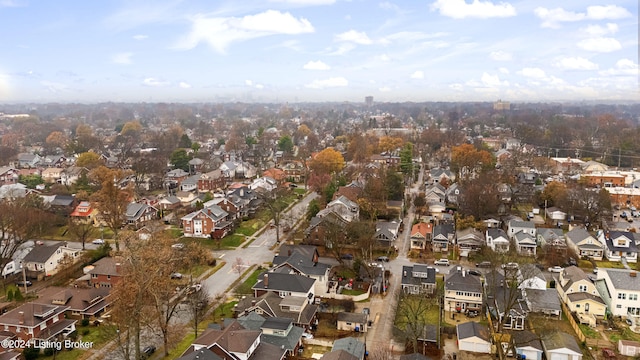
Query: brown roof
pixel 32 314
pixel 78 299
pixel 106 266
pixel 233 338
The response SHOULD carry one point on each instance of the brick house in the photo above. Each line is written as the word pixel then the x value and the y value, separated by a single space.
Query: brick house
pixel 38 321
pixel 105 272
pixel 209 220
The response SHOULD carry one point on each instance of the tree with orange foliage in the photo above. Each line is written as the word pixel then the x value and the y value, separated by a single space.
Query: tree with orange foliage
pixel 389 143
pixel 327 161
pixel 466 159
pixel 111 200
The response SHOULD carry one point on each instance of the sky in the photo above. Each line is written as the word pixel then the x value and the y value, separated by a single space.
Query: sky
pixel 318 50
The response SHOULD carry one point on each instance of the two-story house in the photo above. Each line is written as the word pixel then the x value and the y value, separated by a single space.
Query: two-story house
pixel 619 245
pixel 584 244
pixel 516 226
pixel 280 332
pixel 552 238
pixel 106 272
pixel 236 342
pixel 497 240
pixel 462 291
pixel 620 289
pixel 443 235
pixel 47 260
pixel 303 260
pixel 345 208
pixel 296 308
pixel 209 220
pixel 285 284
pixel 8 175
pixel 421 235
pixel 579 293
pixel 418 279
pixel 211 181
pixel 469 240
pixel 38 322
pixel 387 232
pixel 138 214
pixel 85 213
pixel 525 243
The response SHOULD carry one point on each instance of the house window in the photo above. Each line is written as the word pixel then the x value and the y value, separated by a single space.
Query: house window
pixel 622 296
pixel 633 297
pixel 577 306
pixel 582 288
pixel 618 306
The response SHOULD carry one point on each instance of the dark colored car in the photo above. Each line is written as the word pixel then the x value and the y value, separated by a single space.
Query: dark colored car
pixel 148 351
pixel 347 256
pixel 573 262
pixel 475 272
pixel 23 283
pixel 484 264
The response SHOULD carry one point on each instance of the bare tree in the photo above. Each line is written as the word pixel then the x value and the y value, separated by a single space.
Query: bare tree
pixel 411 315
pixel 275 203
pixel 197 305
pixel 111 200
pixel 81 230
pixel 239 265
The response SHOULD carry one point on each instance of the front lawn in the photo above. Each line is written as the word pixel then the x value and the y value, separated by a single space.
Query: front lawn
pixel 609 264
pixel 245 287
pixel 588 331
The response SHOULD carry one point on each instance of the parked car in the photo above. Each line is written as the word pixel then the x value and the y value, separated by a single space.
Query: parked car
pixel 23 283
pixel 623 214
pixel 484 264
pixel 346 257
pixel 178 246
pixel 383 258
pixel 194 288
pixel 98 241
pixel 176 275
pixel 442 262
pixel 556 269
pixel 307 335
pixel 573 262
pixel 475 272
pixel 148 351
pixel 510 266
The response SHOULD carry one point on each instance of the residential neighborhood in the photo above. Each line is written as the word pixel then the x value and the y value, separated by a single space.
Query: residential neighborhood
pixel 249 240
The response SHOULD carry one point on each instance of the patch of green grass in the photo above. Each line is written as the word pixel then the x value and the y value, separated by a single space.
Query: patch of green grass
pixel 175 233
pixel 352 292
pixel 182 346
pixel 609 264
pixel 589 331
pixel 224 310
pixel 232 241
pixel 245 287
pixel 410 307
pixel 299 191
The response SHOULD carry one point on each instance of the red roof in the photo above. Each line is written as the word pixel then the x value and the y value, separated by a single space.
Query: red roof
pixel 422 228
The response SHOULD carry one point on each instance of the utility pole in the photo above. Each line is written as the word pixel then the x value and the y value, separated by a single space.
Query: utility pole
pixel 619 156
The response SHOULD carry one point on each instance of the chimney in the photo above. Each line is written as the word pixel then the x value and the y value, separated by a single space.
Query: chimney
pixel 266 281
pixel 463 273
pixel 253 303
pixel 405 273
pixel 21 317
pixel 289 252
pixel 241 192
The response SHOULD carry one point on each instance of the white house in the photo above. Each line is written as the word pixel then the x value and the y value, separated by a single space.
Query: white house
pixel 48 259
pixel 473 337
pixel 497 240
pixel 620 290
pixel 619 245
pixel 527 227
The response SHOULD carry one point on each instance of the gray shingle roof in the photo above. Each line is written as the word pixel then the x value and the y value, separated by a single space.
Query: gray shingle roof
pixel 471 329
pixel 285 282
pixel 622 280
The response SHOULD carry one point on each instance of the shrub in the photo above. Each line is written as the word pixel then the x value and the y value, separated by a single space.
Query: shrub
pixel 84 322
pixel 10 294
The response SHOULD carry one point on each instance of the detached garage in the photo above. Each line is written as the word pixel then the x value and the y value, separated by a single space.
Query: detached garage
pixel 628 347
pixel 562 346
pixel 473 337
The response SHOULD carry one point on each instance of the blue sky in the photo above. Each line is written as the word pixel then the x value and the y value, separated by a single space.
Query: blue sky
pixel 318 50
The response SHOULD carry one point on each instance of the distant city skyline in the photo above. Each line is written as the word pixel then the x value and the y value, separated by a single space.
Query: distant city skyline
pixel 318 50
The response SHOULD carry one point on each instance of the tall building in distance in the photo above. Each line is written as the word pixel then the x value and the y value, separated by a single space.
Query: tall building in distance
pixel 501 105
pixel 368 100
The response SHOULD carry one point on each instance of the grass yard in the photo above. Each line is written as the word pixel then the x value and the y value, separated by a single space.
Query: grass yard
pixel 309 350
pixel 250 227
pixel 245 287
pixel 609 264
pixel 352 292
pixel 228 242
pixel 183 345
pixel 416 308
pixel 623 334
pixel 222 311
pixel 588 331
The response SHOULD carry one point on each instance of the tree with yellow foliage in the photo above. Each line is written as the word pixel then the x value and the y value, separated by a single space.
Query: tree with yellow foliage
pixel 327 161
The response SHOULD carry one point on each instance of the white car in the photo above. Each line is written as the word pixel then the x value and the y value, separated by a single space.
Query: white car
pixel 307 336
pixel 556 269
pixel 98 241
pixel 441 262
pixel 178 246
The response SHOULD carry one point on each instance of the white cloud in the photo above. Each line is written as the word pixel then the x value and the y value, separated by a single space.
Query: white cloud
pixel 607 12
pixel 122 58
pixel 492 80
pixel 575 63
pixel 623 67
pixel 551 18
pixel 140 37
pixel 504 70
pixel 12 3
pixel 600 44
pixel 154 82
pixel 383 58
pixel 535 73
pixel 316 65
pixel 460 9
pixel 597 30
pixel 305 2
pixel 248 82
pixel 358 37
pixel 419 74
pixel 328 83
pixel 384 89
pixel 410 36
pixel 342 49
pixel 221 32
pixel 501 56
pixel 184 85
pixel 385 5
pixel 259 86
